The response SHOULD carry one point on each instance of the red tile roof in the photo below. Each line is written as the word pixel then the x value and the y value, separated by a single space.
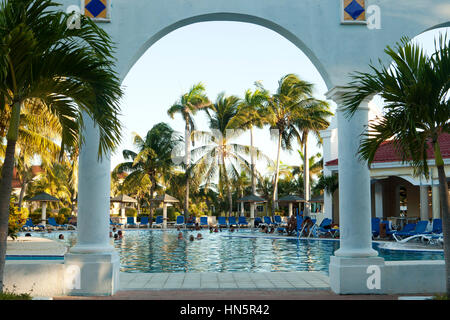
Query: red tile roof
pixel 16 183
pixel 387 153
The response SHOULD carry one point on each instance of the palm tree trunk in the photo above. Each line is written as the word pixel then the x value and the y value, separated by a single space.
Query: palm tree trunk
pixel 152 190
pixel 277 173
pixel 6 185
pixel 22 193
pixel 252 162
pixel 445 204
pixel 187 140
pixel 306 175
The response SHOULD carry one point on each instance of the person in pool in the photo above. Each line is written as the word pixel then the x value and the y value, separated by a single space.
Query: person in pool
pixel 191 238
pixel 180 236
pixel 199 236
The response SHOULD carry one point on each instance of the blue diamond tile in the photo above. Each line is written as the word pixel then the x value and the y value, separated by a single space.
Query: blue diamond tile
pixel 354 9
pixel 95 7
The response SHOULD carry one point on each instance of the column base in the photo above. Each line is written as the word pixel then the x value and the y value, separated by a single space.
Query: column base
pixel 92 274
pixel 357 275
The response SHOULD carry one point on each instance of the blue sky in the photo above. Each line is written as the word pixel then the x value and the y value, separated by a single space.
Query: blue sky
pixel 224 56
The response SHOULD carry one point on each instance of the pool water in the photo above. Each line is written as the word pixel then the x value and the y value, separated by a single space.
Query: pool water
pixel 161 251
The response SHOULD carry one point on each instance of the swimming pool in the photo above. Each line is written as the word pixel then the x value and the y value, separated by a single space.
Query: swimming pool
pixel 244 251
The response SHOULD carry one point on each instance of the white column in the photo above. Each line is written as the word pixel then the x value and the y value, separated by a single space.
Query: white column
pixel 350 263
pixel 123 218
pixel 354 184
pixel 378 200
pixel 424 203
pixel 435 202
pixel 290 208
pixel 164 215
pixel 93 259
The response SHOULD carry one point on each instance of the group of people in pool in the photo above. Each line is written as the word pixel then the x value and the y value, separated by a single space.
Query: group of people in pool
pixel 116 234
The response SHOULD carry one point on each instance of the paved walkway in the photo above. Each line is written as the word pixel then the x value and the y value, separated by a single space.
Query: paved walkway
pixel 233 280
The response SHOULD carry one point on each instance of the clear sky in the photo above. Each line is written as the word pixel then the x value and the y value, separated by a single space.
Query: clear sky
pixel 224 56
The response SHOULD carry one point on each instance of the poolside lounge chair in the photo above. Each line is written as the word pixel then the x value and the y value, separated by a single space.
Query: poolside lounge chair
pixel 180 222
pixel 144 222
pixel 437 226
pixel 258 221
pixel 232 221
pixel 325 228
pixel 204 222
pixel 268 222
pixel 158 222
pixel 114 223
pixel 242 222
pixel 375 227
pixel 222 222
pixel 130 222
pixel 411 230
pixel 191 224
pixel 420 233
pixel 52 223
pixel 317 230
pixel 279 221
pixel 29 225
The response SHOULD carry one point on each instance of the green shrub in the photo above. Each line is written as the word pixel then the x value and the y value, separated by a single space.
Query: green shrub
pixel 12 295
pixel 130 212
pixel 65 211
pixel 17 219
pixel 60 219
pixel 35 217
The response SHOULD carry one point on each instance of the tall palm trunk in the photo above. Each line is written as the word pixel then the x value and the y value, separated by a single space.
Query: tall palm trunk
pixel 6 185
pixel 252 162
pixel 277 173
pixel 306 175
pixel 187 158
pixel 22 193
pixel 152 191
pixel 445 204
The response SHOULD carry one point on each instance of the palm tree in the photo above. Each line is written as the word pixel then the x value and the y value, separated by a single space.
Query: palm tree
pixel 416 112
pixel 38 129
pixel 152 163
pixel 187 107
pixel 219 157
pixel 312 119
pixel 250 116
pixel 282 110
pixel 67 71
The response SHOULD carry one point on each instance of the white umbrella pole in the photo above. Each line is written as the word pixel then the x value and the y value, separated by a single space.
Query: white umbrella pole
pixel 44 213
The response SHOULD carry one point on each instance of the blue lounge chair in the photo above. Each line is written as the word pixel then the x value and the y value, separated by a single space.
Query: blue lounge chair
pixel 222 222
pixel 144 222
pixel 375 227
pixel 180 222
pixel 325 228
pixel 437 226
pixel 158 222
pixel 278 221
pixel 242 222
pixel 29 225
pixel 114 224
pixel 130 222
pixel 389 230
pixel 52 222
pixel 192 223
pixel 258 221
pixel 320 229
pixel 411 230
pixel 204 222
pixel 268 221
pixel 232 221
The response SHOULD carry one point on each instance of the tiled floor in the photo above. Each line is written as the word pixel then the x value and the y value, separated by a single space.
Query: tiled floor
pixel 235 280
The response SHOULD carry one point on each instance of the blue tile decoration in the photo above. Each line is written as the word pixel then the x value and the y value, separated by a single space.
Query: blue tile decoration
pixel 95 7
pixel 354 9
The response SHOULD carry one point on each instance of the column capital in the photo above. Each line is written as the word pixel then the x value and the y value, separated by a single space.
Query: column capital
pixel 336 94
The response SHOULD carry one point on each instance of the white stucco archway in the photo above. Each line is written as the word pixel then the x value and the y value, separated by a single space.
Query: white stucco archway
pixel 335 48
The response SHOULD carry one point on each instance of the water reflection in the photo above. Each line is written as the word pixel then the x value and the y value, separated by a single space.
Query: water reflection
pixel 162 251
